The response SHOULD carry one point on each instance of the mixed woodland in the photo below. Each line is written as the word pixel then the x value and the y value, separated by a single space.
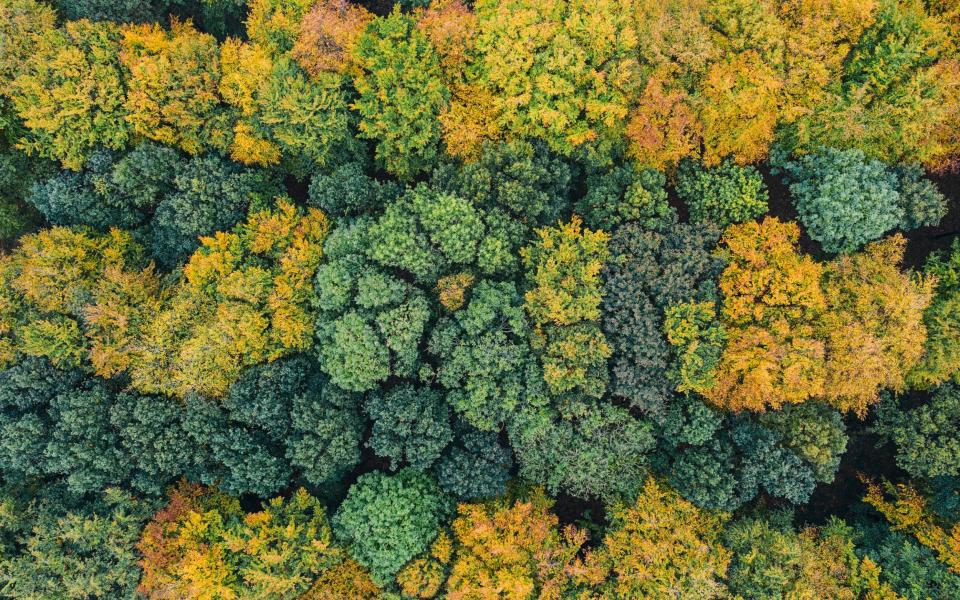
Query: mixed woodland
pixel 480 299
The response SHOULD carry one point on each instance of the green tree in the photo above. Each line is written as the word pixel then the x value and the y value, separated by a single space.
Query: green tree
pixel 386 520
pixel 923 435
pixel 401 93
pixel 483 358
pixel 72 550
pixel 647 272
pixel 724 194
pixel 843 198
pixel 411 425
pixel 625 194
pixel 475 465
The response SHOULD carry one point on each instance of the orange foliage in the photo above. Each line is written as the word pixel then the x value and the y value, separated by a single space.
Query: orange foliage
pixel 328 34
pixel 663 127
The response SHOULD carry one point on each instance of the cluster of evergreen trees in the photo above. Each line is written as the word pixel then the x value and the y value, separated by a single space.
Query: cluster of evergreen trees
pixel 514 299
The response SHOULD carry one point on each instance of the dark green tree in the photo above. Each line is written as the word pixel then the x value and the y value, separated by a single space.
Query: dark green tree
pixel 411 425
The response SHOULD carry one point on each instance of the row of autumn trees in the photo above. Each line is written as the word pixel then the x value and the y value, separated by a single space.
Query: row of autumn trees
pixel 302 302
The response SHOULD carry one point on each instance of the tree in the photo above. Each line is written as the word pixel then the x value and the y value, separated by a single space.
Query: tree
pixel 483 358
pixel 328 36
pixel 524 179
pixel 600 451
pixel 661 546
pixel 844 199
pixel 725 194
pixel 401 93
pixel 22 22
pixel 70 93
pixel 67 549
pixel 513 548
pixel 907 509
pixel 922 435
pixel 172 94
pixel 411 425
pixel 50 281
pixel 208 195
pixel 770 559
pixel 873 325
pixel 253 285
pixel 273 553
pixel 559 71
pixel 647 272
pixel 428 233
pixel 348 191
pixel 737 104
pixel 274 24
pixel 282 112
pixel 563 302
pixel 771 296
pixel 911 568
pixel 941 356
pixel 624 194
pixel 369 323
pixel 388 519
pixel 475 466
pixel 720 461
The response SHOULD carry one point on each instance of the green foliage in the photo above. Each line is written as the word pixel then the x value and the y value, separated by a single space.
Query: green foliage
pixel 172 199
pixel 348 191
pixel 563 301
pixel 771 560
pixel 941 358
pixel 483 357
pixel 626 194
pixel 924 436
pixel 692 328
pixel 370 323
pixel 208 195
pixel 411 425
pixel 647 272
pixel 923 204
pixel 401 92
pixel 525 179
pixel 602 453
pixel 724 194
pixel 428 233
pixel 843 198
pixel 723 461
pixel 388 519
pixel 119 11
pixel 70 93
pixel 911 568
pixel 475 466
pixel 18 172
pixel 70 550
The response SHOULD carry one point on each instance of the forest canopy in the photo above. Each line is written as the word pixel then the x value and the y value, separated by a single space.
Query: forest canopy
pixel 471 299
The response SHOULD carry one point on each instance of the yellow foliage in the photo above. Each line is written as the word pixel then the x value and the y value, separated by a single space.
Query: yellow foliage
pixel 452 290
pixel 738 101
pixel 663 125
pixel 424 576
pixel 873 325
pixel 511 551
pixel 172 90
pixel 661 546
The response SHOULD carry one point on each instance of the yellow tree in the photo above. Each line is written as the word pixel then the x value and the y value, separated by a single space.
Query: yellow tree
pixel 661 546
pixel 772 295
pixel 511 550
pixel 70 93
pixel 172 90
pixel 873 325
